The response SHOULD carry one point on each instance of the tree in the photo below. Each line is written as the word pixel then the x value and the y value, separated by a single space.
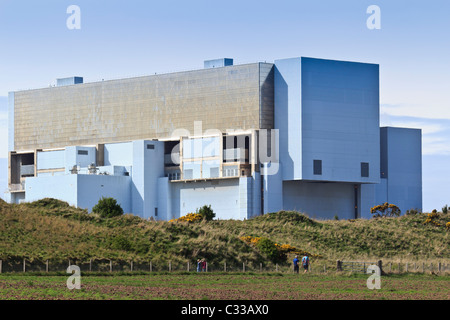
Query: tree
pixel 206 212
pixel 385 210
pixel 107 208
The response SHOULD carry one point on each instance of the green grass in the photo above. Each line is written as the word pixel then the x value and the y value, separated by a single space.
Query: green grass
pixel 51 229
pixel 225 286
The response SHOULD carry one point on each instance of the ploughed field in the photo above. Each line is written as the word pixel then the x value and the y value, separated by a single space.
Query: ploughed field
pixel 233 286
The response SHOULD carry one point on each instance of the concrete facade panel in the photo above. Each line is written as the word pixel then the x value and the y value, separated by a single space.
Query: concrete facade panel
pixel 224 197
pixel 137 108
pixel 339 125
pixel 320 200
pixel 91 188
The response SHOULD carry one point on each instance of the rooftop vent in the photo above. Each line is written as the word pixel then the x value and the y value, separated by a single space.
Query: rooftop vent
pixel 68 81
pixel 217 63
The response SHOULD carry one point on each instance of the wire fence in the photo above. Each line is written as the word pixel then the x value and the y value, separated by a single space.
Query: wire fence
pixel 106 265
pixel 392 267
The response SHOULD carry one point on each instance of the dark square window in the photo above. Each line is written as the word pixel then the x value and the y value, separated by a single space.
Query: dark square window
pixel 83 152
pixel 364 169
pixel 318 167
pixel 151 146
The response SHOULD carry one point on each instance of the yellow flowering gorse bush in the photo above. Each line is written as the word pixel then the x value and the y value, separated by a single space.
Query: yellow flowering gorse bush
pixel 190 217
pixel 385 210
pixel 283 248
pixel 431 218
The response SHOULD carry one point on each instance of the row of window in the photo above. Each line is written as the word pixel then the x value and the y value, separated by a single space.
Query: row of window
pixel 214 173
pixel 85 152
pixel 317 168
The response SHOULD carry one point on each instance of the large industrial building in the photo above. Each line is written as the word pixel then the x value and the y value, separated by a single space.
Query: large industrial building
pixel 297 134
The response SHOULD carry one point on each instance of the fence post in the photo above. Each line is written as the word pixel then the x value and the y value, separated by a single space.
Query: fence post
pixel 243 266
pixel 339 265
pixel 206 263
pixel 90 265
pixel 46 266
pixel 131 267
pixel 439 267
pixel 260 267
pixel 380 265
pixel 324 268
pixel 24 270
pixel 150 266
pixel 110 265
pixel 431 267
pixel 406 269
pixel 1 262
pixel 188 266
pixel 390 267
pixel 170 266
pixel 225 266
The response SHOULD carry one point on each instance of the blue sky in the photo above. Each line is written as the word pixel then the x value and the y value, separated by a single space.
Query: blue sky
pixel 129 38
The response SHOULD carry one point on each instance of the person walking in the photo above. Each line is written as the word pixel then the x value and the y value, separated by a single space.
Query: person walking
pixel 305 263
pixel 204 265
pixel 199 265
pixel 296 264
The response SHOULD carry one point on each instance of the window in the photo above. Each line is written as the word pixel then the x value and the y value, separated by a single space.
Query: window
pixel 156 212
pixel 188 174
pixel 83 152
pixel 214 172
pixel 318 167
pixel 151 146
pixel 364 169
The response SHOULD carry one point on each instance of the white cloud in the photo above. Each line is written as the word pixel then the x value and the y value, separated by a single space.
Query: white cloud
pixel 429 110
pixel 435 132
pixel 435 145
pixel 426 126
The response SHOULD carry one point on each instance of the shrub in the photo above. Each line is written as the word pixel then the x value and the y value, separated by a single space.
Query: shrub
pixel 121 243
pixel 412 212
pixel 265 246
pixel 385 210
pixel 206 212
pixel 190 217
pixel 270 250
pixel 49 203
pixel 445 209
pixel 431 218
pixel 107 208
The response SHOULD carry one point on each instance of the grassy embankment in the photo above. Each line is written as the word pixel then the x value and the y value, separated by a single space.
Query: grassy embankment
pixel 51 229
